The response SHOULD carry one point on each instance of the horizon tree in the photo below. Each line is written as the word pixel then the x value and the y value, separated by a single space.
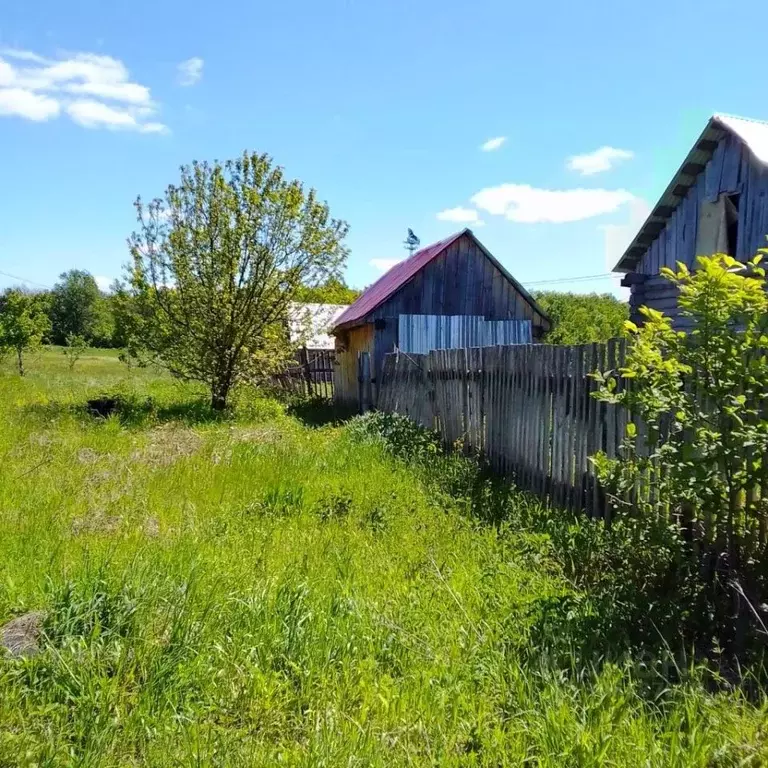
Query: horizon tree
pixel 215 264
pixel 23 323
pixel 78 308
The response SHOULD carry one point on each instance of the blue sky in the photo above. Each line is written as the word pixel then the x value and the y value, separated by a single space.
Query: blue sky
pixel 382 105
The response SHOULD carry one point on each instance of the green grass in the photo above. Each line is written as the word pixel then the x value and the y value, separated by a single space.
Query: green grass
pixel 252 591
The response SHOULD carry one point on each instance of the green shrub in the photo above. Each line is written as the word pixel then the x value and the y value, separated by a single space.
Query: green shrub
pixel 700 461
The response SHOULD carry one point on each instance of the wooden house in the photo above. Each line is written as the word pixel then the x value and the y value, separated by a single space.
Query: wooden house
pixel 309 325
pixel 453 293
pixel 717 202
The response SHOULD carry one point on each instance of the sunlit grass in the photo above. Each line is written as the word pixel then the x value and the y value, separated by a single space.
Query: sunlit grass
pixel 253 592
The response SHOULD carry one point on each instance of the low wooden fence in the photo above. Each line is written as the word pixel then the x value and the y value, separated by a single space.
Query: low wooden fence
pixel 528 409
pixel 311 375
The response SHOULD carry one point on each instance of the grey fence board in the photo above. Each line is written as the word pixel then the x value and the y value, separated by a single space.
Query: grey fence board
pixel 528 409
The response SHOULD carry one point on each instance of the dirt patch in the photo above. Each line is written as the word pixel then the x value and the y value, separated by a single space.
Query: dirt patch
pixel 255 435
pixel 168 444
pixel 21 636
pixel 151 527
pixel 87 456
pixel 98 523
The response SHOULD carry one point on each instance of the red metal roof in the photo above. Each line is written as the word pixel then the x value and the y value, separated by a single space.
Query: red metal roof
pixel 393 280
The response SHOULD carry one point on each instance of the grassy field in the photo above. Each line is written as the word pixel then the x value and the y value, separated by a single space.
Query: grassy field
pixel 259 592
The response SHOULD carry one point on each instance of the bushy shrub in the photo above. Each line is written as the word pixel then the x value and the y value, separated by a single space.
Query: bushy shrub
pixel 700 461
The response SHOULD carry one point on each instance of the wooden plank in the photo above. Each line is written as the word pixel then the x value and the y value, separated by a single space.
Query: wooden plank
pixel 542 356
pixel 561 430
pixel 571 427
pixel 611 443
pixel 583 425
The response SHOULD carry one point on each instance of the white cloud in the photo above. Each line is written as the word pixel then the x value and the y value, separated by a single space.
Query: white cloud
pixel 27 104
pixel 384 265
pixel 190 71
pixel 95 114
pixel 94 90
pixel 104 283
pixel 492 144
pixel 461 216
pixel 619 236
pixel 6 73
pixel 600 160
pixel 529 205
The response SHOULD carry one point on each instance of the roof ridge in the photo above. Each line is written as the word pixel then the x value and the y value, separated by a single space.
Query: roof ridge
pixel 728 116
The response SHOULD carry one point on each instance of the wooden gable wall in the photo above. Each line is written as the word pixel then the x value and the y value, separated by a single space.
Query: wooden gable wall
pixel 730 170
pixel 460 281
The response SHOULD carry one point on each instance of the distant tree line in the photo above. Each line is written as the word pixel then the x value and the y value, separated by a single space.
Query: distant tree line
pixel 77 309
pixel 214 265
pixel 582 318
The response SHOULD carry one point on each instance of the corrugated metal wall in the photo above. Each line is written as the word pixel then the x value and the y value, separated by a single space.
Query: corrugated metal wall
pixel 419 334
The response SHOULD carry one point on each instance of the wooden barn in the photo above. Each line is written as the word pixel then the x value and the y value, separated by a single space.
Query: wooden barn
pixel 453 293
pixel 716 203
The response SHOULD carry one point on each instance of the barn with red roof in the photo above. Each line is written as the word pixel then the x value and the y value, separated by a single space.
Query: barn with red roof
pixel 453 293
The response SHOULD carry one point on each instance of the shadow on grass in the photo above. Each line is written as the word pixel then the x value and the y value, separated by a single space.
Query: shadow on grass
pixel 318 412
pixel 134 411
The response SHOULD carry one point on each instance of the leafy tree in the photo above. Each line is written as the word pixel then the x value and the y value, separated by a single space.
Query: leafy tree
pixel 23 323
pixel 582 318
pixel 699 397
pixel 78 308
pixel 215 265
pixel 333 291
pixel 75 349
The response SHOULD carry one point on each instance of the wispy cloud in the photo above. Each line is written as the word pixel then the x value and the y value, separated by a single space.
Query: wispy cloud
pixel 94 91
pixel 600 160
pixel 190 71
pixel 461 215
pixel 384 265
pixel 619 236
pixel 104 283
pixel 28 104
pixel 525 204
pixel 95 114
pixel 493 144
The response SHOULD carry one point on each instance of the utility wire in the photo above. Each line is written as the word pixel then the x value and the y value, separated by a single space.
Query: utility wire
pixel 24 280
pixel 576 279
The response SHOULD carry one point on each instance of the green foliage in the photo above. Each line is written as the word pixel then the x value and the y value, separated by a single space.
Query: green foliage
pixel 614 612
pixel 700 396
pixel 332 291
pixel 246 591
pixel 75 348
pixel 78 308
pixel 215 265
pixel 582 318
pixel 23 323
pixel 401 436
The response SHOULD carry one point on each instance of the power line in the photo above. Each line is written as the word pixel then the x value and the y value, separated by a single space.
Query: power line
pixel 575 279
pixel 24 280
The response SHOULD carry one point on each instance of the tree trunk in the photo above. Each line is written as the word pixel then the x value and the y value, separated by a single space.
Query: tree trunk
pixel 20 357
pixel 219 395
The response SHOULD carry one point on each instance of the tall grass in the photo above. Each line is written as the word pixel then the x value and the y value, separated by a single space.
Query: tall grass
pixel 255 592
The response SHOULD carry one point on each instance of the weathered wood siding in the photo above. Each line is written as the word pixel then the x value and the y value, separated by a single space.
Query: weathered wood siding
pixel 731 170
pixel 348 345
pixel 460 281
pixel 527 409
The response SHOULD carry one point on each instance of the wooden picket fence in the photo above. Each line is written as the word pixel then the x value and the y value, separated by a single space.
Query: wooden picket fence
pixel 527 409
pixel 311 374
